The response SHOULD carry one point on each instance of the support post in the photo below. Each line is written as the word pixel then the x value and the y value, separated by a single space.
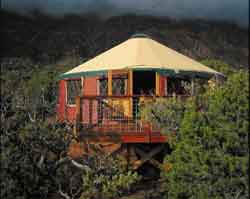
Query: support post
pixel 157 84
pixel 130 82
pixel 166 86
pixel 110 83
pixel 130 92
pixel 82 85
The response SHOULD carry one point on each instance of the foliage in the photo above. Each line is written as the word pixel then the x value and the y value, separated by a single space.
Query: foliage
pixel 107 179
pixel 31 148
pixel 210 154
pixel 210 159
pixel 34 161
pixel 166 114
pixel 29 157
pixel 219 65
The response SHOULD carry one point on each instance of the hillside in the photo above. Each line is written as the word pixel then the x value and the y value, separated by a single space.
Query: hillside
pixel 48 40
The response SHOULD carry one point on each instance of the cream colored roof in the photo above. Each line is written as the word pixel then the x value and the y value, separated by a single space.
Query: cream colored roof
pixel 141 52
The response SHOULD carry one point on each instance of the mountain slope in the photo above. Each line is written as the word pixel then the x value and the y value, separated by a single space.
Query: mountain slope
pixel 47 39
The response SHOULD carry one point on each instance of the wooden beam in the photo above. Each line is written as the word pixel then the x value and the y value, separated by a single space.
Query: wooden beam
pixel 130 82
pixel 156 163
pixel 130 92
pixel 146 156
pixel 82 86
pixel 110 83
pixel 166 86
pixel 157 84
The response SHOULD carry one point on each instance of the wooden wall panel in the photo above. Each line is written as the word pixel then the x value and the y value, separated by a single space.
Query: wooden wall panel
pixel 90 88
pixel 163 85
pixel 60 108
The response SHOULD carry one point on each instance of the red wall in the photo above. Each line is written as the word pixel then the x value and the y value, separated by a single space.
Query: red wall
pixel 60 108
pixel 67 112
pixel 163 80
pixel 90 86
pixel 90 89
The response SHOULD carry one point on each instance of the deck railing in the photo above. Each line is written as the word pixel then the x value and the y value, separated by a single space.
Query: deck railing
pixel 114 113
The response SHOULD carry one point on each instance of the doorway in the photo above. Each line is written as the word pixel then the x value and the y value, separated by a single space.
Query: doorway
pixel 143 83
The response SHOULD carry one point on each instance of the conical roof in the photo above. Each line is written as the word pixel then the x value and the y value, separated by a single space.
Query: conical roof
pixel 141 53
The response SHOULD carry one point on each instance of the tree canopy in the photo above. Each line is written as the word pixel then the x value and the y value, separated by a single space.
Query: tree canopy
pixel 209 138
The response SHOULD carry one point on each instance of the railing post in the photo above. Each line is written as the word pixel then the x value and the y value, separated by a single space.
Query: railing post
pixel 99 111
pixel 90 112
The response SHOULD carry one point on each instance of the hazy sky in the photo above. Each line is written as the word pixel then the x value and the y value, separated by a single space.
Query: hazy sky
pixel 232 10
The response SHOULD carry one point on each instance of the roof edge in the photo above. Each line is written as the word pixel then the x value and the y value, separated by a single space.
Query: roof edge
pixel 168 72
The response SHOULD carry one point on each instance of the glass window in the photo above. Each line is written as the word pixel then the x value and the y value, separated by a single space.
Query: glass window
pixel 119 86
pixel 74 88
pixel 103 87
pixel 178 86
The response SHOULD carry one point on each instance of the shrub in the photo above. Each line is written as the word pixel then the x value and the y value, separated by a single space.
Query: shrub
pixel 210 160
pixel 107 179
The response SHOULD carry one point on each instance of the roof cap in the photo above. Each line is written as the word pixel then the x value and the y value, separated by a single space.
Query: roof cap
pixel 140 35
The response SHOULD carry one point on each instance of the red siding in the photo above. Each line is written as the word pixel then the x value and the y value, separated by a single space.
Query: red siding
pixel 70 113
pixel 61 100
pixel 90 88
pixel 163 80
pixel 66 112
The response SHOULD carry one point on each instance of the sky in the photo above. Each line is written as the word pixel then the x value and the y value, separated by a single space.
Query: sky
pixel 224 10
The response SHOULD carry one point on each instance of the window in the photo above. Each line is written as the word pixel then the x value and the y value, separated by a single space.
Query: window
pixel 74 88
pixel 103 87
pixel 119 85
pixel 178 86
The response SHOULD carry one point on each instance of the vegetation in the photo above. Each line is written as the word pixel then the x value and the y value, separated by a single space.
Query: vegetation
pixel 210 157
pixel 34 161
pixel 107 179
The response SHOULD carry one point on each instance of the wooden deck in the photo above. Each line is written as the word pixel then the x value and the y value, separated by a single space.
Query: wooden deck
pixel 122 133
pixel 97 118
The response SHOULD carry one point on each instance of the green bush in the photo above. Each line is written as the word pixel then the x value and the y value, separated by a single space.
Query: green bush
pixel 34 162
pixel 219 66
pixel 211 158
pixel 210 154
pixel 165 114
pixel 107 179
pixel 29 155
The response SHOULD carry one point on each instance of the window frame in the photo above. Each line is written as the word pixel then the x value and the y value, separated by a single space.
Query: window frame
pixel 123 76
pixel 81 90
pixel 180 80
pixel 100 78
